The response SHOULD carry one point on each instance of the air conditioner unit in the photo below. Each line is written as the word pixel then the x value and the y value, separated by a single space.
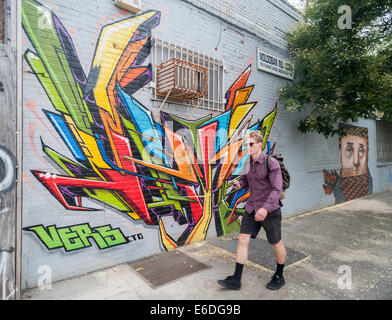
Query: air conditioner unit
pixel 130 5
pixel 182 80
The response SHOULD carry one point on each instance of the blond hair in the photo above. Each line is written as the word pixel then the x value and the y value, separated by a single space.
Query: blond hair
pixel 256 135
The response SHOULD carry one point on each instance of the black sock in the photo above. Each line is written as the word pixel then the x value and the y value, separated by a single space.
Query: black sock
pixel 279 269
pixel 238 271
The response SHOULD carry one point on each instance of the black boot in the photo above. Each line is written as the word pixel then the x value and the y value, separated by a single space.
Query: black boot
pixel 230 282
pixel 277 280
pixel 233 282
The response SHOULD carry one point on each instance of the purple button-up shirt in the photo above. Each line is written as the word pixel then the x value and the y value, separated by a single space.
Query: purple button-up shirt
pixel 264 190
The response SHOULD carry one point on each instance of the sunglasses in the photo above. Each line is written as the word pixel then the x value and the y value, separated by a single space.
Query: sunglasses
pixel 250 144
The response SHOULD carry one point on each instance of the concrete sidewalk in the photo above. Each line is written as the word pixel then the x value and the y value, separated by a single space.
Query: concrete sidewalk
pixel 347 241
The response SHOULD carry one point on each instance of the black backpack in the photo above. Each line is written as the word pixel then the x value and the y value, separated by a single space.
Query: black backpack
pixel 285 172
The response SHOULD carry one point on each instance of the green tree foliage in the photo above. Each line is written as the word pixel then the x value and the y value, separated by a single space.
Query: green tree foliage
pixel 342 73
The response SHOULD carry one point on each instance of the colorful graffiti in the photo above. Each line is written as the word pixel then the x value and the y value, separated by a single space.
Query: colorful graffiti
pixel 79 236
pixel 147 167
pixel 7 170
pixel 354 180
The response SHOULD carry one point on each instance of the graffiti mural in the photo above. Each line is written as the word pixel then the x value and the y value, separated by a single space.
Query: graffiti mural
pixel 7 285
pixel 354 180
pixel 79 236
pixel 150 168
pixel 7 170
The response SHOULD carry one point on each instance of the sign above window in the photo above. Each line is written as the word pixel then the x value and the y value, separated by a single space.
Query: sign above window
pixel 270 63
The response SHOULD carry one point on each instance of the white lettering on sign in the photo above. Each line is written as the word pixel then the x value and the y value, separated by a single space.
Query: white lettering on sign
pixel 275 65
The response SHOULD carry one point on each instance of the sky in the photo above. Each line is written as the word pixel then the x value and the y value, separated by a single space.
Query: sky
pixel 296 3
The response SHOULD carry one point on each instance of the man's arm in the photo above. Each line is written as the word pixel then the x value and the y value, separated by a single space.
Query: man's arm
pixel 243 181
pixel 243 177
pixel 275 177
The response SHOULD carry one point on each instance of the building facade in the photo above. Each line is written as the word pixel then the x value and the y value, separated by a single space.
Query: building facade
pixel 134 126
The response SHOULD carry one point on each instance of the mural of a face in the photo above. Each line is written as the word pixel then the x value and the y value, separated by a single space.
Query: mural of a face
pixel 354 180
pixel 354 155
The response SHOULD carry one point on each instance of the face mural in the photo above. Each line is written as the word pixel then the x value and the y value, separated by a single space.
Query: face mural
pixel 353 155
pixel 152 167
pixel 354 180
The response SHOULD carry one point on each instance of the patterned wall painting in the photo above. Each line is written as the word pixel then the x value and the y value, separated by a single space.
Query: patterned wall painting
pixel 149 166
pixel 354 180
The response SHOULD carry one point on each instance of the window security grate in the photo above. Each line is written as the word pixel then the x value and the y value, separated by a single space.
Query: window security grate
pixel 384 141
pixel 193 71
pixel 182 80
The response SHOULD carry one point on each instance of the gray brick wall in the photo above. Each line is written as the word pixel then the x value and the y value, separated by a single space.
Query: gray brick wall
pixel 2 18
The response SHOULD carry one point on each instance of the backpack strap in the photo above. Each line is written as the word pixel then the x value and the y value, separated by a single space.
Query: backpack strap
pixel 267 164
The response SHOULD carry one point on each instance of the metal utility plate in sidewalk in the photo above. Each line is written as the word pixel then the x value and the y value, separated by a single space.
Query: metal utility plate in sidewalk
pixel 166 267
pixel 260 251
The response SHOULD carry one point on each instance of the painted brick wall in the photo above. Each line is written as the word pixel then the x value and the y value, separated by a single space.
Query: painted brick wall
pixel 2 17
pixel 80 131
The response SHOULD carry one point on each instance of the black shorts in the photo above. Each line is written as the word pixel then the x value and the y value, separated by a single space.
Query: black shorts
pixel 271 225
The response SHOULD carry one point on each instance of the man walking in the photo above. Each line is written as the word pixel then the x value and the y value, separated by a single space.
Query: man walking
pixel 262 210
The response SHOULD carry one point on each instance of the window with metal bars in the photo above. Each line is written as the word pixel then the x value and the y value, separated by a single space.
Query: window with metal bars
pixel 186 76
pixel 384 141
pixel 182 80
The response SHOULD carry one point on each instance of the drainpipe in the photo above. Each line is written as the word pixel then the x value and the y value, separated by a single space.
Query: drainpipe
pixel 19 146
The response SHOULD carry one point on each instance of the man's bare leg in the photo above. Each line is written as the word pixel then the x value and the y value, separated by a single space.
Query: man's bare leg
pixel 242 248
pixel 280 252
pixel 234 281
pixel 277 280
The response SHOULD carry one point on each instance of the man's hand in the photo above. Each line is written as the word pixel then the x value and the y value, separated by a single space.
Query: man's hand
pixel 261 214
pixel 236 184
